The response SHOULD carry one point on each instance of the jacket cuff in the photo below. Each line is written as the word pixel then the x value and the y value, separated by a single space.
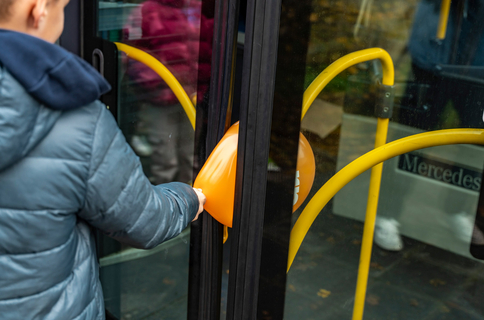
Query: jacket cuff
pixel 188 194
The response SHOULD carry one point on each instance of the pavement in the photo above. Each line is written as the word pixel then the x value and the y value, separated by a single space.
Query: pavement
pixel 419 282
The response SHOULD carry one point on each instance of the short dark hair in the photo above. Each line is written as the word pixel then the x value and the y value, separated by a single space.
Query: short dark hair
pixel 5 9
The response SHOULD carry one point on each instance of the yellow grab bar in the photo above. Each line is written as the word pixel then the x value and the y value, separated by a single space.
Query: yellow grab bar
pixel 342 64
pixel 164 73
pixel 381 135
pixel 365 162
pixel 369 223
pixel 443 18
pixel 355 168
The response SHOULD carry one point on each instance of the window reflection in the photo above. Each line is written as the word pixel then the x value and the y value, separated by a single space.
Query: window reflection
pixel 168 30
pixel 421 266
pixel 154 284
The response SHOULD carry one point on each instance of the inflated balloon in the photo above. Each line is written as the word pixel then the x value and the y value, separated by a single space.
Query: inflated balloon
pixel 217 176
pixel 305 170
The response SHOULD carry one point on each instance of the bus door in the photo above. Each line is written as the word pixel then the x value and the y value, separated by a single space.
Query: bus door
pixel 420 265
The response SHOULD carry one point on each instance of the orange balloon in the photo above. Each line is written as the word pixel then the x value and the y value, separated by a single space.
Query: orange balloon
pixel 217 176
pixel 305 171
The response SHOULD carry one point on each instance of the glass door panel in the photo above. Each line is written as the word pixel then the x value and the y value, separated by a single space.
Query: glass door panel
pixel 421 266
pixel 152 284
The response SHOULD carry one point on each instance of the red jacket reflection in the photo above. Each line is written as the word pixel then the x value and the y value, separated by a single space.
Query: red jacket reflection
pixel 170 31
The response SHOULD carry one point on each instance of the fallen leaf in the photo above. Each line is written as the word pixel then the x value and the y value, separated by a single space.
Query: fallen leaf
pixel 376 265
pixel 324 293
pixel 305 266
pixel 437 282
pixel 444 309
pixel 373 300
pixel 330 239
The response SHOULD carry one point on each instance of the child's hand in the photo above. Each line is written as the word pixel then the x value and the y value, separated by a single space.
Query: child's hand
pixel 201 200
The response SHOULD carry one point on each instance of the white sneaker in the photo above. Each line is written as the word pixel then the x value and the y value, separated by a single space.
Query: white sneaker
pixel 462 225
pixel 387 235
pixel 141 146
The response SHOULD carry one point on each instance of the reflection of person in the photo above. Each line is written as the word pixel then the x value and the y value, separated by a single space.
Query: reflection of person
pixel 448 74
pixel 167 34
pixel 65 167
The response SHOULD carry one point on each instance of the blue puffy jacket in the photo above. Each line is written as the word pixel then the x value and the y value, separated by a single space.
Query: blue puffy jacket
pixel 65 167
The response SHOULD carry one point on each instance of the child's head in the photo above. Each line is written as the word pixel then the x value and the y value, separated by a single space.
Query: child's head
pixel 40 18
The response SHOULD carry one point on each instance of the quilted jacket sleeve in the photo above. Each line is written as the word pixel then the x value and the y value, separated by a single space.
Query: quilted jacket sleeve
pixel 121 201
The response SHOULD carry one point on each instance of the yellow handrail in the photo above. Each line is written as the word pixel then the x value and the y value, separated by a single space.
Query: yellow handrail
pixel 381 136
pixel 164 73
pixel 342 64
pixel 443 18
pixel 363 163
pixel 369 224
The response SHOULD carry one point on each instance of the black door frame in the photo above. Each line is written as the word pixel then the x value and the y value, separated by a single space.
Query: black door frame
pixel 276 42
pixel 213 120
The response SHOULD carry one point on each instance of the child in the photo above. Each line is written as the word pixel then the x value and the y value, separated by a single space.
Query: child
pixel 65 166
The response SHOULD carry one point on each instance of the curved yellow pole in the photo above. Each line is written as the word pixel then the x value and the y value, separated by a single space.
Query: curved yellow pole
pixel 342 64
pixel 365 162
pixel 381 135
pixel 443 18
pixel 164 73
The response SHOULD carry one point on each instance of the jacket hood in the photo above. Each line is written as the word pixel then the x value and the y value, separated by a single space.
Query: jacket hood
pixel 38 80
pixel 52 75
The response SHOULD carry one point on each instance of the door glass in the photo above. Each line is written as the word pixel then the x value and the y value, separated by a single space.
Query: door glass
pixel 153 284
pixel 421 267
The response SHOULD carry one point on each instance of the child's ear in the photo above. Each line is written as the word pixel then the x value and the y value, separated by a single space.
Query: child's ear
pixel 37 12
